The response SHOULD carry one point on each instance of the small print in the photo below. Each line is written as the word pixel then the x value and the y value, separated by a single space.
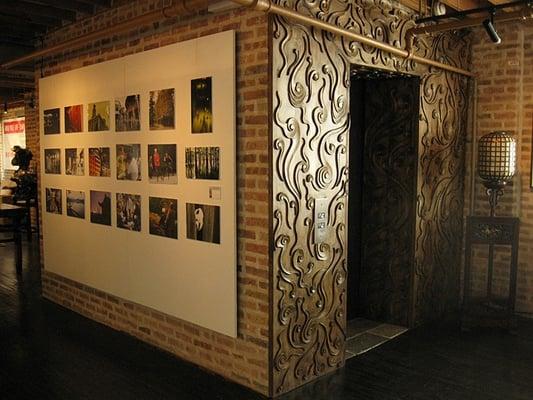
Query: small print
pixel 203 223
pixel 73 118
pixel 51 121
pixel 162 166
pixel 202 162
pixel 98 116
pixel 52 161
pixel 99 161
pixel 161 109
pixel 129 211
pixel 75 162
pixel 129 162
pixel 163 217
pixel 100 207
pixel 54 202
pixel 128 113
pixel 201 106
pixel 76 204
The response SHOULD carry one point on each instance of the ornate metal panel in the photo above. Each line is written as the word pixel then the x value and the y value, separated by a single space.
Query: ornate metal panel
pixel 310 80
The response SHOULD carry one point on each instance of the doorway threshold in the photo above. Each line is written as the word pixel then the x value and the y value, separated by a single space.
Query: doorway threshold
pixel 364 335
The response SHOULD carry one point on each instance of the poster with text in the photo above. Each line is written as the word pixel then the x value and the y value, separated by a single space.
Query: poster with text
pixel 14 134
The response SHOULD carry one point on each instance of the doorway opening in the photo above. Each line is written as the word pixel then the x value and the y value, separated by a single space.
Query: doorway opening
pixel 381 206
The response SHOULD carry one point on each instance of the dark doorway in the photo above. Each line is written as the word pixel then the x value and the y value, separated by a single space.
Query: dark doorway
pixel 382 196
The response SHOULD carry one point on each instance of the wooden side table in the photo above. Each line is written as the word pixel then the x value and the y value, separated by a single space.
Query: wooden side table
pixel 490 310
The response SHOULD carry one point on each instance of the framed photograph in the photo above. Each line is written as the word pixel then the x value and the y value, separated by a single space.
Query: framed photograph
pixel 201 106
pixel 76 204
pixel 52 161
pixel 202 163
pixel 73 118
pixel 128 162
pixel 101 207
pixel 54 202
pixel 163 217
pixel 129 211
pixel 98 116
pixel 128 113
pixel 75 162
pixel 161 109
pixel 99 161
pixel 203 223
pixel 162 163
pixel 51 121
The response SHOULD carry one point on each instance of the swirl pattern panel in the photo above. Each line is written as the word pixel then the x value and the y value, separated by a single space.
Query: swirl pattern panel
pixel 310 135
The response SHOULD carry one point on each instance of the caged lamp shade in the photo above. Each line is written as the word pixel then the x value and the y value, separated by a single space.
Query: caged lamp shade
pixel 496 163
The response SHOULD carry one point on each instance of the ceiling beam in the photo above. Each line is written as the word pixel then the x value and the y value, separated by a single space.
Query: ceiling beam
pixel 16 83
pixel 100 3
pixel 70 5
pixel 38 10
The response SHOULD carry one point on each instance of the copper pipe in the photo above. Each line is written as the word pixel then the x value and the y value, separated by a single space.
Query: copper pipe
pixel 269 7
pixel 163 13
pixel 524 13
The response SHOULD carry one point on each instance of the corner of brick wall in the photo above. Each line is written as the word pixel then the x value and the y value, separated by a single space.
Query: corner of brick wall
pixel 244 359
pixel 505 102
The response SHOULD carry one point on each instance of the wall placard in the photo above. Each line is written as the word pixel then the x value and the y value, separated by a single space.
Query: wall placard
pixel 120 213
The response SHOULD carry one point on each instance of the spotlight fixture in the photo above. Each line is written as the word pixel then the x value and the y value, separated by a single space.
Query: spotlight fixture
pixel 5 107
pixel 488 24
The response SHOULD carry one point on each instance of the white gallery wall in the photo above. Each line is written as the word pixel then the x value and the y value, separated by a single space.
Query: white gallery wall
pixel 191 279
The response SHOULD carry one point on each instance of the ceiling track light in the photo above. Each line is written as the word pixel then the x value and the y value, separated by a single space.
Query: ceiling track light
pixel 5 107
pixel 488 24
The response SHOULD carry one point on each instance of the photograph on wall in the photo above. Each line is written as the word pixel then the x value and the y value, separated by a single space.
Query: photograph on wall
pixel 162 164
pixel 98 116
pixel 161 109
pixel 54 203
pixel 51 121
pixel 52 161
pixel 76 204
pixel 73 118
pixel 163 217
pixel 74 162
pixel 201 106
pixel 203 222
pixel 202 162
pixel 128 113
pixel 101 207
pixel 99 161
pixel 129 211
pixel 129 162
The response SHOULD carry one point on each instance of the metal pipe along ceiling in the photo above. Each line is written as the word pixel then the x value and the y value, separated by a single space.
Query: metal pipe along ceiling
pixel 269 7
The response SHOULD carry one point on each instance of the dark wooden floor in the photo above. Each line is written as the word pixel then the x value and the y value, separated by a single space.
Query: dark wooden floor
pixel 47 352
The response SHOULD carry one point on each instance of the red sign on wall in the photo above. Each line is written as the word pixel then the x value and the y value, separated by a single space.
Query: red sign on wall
pixel 15 126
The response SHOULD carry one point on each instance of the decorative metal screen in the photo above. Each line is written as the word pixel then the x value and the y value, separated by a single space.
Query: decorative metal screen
pixel 497 157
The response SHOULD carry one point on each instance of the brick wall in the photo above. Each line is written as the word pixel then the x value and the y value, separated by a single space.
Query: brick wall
pixel 245 359
pixel 505 102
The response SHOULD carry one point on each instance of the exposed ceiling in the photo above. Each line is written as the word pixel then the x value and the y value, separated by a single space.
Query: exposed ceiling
pixel 24 22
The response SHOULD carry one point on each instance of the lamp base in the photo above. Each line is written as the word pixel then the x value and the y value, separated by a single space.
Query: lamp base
pixel 494 192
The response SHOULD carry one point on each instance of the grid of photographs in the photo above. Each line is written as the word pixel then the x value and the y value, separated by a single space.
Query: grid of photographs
pixel 202 220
